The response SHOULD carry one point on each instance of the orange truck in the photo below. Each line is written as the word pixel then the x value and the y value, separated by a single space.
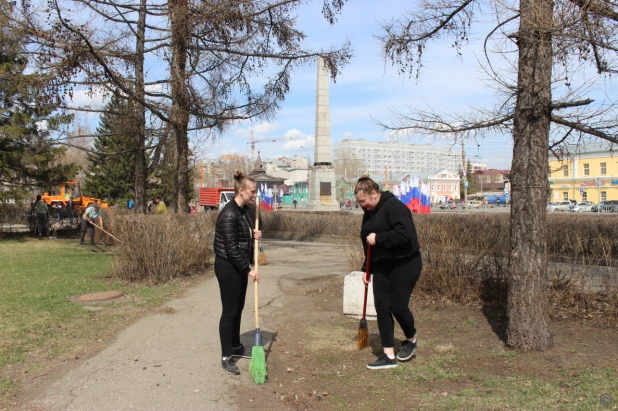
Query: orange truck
pixel 70 197
pixel 215 198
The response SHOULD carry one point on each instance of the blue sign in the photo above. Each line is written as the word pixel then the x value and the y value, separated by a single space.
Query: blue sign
pixel 506 190
pixel 581 190
pixel 465 183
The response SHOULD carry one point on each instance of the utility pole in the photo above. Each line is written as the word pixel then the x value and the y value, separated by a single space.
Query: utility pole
pixel 386 174
pixel 464 175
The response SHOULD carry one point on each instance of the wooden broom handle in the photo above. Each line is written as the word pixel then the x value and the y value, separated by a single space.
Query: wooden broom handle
pixel 256 257
pixel 368 276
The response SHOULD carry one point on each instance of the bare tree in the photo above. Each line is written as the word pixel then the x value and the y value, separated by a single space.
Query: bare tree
pixel 213 52
pixel 565 51
pixel 347 165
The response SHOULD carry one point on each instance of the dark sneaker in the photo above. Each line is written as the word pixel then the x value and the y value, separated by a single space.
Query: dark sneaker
pixel 382 363
pixel 239 352
pixel 230 367
pixel 407 350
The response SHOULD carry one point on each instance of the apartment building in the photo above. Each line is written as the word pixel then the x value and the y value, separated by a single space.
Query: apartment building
pixel 399 157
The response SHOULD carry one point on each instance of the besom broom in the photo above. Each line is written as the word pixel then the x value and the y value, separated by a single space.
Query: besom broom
pixel 258 358
pixel 362 340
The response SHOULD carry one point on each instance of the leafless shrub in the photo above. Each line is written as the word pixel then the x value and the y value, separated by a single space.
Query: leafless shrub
pixel 310 225
pixel 465 258
pixel 157 249
pixel 11 214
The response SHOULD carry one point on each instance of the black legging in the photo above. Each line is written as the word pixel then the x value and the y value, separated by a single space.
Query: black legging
pixel 233 287
pixel 87 226
pixel 392 289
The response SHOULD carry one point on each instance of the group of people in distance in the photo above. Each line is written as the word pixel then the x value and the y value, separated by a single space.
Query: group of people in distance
pixel 396 265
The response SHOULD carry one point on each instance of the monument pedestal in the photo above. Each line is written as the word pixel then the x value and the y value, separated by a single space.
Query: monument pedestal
pixel 322 189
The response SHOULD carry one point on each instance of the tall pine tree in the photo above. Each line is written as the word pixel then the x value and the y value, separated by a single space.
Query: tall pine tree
pixel 111 175
pixel 29 120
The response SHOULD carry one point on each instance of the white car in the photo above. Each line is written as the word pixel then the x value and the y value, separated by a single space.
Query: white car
pixel 474 204
pixel 564 205
pixel 551 206
pixel 583 207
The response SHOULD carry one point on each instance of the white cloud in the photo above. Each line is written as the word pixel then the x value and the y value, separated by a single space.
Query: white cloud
pixel 300 141
pixel 347 134
pixel 260 130
pixel 294 133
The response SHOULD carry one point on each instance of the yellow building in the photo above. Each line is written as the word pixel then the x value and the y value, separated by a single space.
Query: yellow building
pixel 591 174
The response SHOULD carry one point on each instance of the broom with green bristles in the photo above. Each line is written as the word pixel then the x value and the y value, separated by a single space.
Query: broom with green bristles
pixel 258 358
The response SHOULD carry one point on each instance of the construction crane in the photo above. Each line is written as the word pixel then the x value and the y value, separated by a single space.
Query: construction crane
pixel 253 142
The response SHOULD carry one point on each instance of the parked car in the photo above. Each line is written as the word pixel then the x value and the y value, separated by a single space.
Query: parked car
pixel 564 205
pixel 474 204
pixel 583 207
pixel 551 206
pixel 451 205
pixel 598 207
pixel 610 206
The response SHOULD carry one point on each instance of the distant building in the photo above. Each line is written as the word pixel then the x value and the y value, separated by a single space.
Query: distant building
pixel 399 157
pixel 478 167
pixel 589 173
pixel 491 181
pixel 443 184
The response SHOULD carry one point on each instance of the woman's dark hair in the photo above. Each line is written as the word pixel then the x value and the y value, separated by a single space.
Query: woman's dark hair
pixel 366 185
pixel 240 180
pixel 38 198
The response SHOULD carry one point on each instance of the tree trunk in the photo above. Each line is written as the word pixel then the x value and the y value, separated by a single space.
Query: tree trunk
pixel 140 114
pixel 180 101
pixel 528 325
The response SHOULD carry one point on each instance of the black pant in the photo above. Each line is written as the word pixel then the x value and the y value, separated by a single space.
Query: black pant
pixel 42 224
pixel 233 288
pixel 392 289
pixel 87 226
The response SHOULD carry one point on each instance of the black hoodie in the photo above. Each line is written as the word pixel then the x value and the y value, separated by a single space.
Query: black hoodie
pixel 396 237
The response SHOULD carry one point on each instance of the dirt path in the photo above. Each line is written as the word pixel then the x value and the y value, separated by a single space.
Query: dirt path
pixel 171 361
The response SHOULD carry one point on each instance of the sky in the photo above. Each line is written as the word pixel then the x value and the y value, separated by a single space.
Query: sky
pixel 369 89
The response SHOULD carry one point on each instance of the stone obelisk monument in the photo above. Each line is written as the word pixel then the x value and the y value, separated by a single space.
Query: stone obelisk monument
pixel 322 185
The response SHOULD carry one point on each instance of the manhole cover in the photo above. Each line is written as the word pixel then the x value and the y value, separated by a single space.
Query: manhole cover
pixel 100 296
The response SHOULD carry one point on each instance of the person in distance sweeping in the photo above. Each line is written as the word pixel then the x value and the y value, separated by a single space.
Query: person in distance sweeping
pixel 92 213
pixel 233 245
pixel 395 264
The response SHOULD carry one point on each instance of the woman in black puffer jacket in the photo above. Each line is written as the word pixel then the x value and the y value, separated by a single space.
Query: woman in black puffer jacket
pixel 234 235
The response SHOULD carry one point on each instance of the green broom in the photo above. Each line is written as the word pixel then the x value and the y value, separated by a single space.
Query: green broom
pixel 258 358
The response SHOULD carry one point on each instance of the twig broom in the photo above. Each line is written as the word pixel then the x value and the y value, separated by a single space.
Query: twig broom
pixel 258 358
pixel 109 234
pixel 363 332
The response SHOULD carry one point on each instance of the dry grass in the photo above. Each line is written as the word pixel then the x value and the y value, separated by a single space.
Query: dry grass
pixel 157 249
pixel 11 214
pixel 465 257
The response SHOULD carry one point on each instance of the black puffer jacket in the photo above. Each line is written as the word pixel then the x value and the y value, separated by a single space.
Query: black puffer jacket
pixel 234 236
pixel 396 237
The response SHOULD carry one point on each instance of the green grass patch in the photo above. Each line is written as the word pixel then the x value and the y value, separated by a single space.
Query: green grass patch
pixel 7 388
pixel 471 323
pixel 39 321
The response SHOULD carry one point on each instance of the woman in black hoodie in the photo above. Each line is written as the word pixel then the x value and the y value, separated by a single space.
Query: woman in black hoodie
pixel 395 264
